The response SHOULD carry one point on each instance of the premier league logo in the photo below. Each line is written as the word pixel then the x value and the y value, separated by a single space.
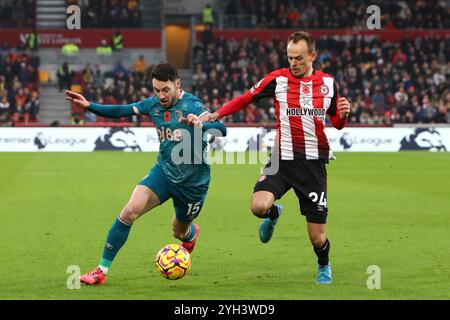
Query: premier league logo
pixel 423 139
pixel 40 141
pixel 117 139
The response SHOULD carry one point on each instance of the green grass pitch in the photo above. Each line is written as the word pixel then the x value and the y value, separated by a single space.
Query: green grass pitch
pixel 391 210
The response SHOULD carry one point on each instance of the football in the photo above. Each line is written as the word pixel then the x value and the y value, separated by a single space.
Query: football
pixel 173 262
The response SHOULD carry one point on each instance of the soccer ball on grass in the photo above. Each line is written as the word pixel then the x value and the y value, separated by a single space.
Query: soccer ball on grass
pixel 173 262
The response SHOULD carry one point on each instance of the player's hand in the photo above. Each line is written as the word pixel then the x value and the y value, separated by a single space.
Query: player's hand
pixel 192 120
pixel 211 117
pixel 76 98
pixel 343 107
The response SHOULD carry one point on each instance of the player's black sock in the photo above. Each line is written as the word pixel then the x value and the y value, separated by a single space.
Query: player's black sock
pixel 272 213
pixel 322 253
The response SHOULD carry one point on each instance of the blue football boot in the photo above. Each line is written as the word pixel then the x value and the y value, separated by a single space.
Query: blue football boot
pixel 268 226
pixel 324 274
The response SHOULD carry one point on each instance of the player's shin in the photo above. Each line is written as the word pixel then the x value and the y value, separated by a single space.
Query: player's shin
pixel 117 236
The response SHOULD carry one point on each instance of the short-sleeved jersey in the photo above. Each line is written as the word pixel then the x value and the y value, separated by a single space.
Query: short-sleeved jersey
pixel 301 106
pixel 172 133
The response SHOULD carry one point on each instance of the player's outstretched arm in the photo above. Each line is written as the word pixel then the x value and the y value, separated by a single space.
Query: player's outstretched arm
pixel 196 121
pixel 107 111
pixel 231 107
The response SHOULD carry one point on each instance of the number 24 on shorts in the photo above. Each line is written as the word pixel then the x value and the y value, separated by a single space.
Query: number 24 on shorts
pixel 314 197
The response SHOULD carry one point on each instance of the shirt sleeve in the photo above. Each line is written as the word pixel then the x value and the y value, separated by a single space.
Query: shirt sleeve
pixel 215 128
pixel 333 110
pixel 117 110
pixel 144 106
pixel 265 88
pixel 197 107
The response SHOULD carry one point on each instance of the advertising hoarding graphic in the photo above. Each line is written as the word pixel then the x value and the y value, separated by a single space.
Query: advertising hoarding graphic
pixel 237 140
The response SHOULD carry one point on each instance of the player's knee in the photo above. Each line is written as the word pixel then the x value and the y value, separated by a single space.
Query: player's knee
pixel 259 209
pixel 318 239
pixel 131 212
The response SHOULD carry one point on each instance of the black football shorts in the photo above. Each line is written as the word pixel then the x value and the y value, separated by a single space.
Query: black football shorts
pixel 308 178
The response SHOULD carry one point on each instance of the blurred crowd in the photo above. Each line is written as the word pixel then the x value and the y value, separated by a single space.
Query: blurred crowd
pixel 120 85
pixel 95 13
pixel 386 82
pixel 405 82
pixel 109 13
pixel 410 14
pixel 17 13
pixel 19 86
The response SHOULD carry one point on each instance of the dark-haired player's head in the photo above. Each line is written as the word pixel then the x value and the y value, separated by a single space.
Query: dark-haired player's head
pixel 301 53
pixel 166 83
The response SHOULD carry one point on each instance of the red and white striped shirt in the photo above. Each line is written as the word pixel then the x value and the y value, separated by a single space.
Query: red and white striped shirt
pixel 301 105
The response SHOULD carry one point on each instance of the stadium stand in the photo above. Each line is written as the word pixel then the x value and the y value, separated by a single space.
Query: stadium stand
pixel 388 82
pixel 119 85
pixel 109 13
pixel 19 87
pixel 17 13
pixel 318 14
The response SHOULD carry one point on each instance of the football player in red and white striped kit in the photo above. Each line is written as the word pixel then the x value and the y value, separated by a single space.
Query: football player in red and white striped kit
pixel 303 97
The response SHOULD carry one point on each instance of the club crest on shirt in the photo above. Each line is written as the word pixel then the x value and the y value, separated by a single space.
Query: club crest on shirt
pixel 324 89
pixel 178 114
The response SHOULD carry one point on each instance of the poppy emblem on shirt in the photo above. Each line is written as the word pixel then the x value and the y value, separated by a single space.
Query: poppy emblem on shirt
pixel 167 116
pixel 305 90
pixel 324 89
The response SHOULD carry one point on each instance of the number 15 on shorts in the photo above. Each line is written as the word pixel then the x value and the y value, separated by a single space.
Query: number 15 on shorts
pixel 193 208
